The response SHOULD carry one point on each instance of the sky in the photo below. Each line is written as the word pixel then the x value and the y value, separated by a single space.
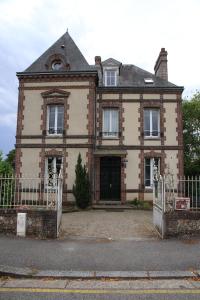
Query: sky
pixel 131 31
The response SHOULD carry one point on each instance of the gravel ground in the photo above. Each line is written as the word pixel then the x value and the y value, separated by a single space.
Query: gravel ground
pixel 128 224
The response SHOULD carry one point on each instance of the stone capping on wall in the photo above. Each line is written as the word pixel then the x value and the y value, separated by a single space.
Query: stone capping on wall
pixel 40 223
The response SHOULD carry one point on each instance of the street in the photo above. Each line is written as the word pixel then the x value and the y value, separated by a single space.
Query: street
pixel 101 254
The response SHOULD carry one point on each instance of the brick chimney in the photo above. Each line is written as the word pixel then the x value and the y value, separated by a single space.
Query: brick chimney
pixel 97 60
pixel 160 67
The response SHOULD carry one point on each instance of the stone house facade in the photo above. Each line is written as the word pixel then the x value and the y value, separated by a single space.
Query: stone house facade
pixel 122 119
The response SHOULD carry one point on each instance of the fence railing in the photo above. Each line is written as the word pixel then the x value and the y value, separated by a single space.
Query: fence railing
pixel 29 192
pixel 189 187
pixel 168 189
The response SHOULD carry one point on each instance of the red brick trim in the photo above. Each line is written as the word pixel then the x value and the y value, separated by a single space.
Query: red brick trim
pixel 97 179
pixel 110 104
pixel 123 177
pixel 91 131
pixel 20 127
pixel 50 98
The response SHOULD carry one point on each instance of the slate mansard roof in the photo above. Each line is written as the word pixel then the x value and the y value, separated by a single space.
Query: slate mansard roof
pixel 129 75
pixel 66 47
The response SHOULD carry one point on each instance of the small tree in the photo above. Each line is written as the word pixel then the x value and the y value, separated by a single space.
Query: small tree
pixel 191 135
pixel 81 188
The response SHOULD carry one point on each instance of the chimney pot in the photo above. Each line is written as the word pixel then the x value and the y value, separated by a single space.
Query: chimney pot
pixel 160 67
pixel 97 60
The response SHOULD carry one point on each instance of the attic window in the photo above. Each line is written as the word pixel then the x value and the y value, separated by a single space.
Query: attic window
pixel 110 78
pixel 57 65
pixel 148 80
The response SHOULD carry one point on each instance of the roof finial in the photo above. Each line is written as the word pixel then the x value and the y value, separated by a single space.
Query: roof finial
pixel 67 29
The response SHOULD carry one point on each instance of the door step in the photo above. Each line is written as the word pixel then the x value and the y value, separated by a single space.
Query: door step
pixel 111 207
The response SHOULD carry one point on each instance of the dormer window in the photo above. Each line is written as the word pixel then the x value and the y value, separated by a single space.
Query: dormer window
pixel 57 65
pixel 110 77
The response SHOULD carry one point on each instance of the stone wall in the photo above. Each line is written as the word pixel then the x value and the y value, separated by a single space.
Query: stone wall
pixel 182 222
pixel 40 223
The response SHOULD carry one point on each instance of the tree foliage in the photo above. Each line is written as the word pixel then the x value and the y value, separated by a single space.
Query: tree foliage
pixel 191 135
pixel 81 188
pixel 11 158
pixel 5 166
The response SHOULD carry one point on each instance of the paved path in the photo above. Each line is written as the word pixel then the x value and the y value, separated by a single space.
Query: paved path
pixel 128 224
pixel 100 254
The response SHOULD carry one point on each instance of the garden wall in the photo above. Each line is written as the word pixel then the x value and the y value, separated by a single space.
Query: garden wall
pixel 181 222
pixel 40 223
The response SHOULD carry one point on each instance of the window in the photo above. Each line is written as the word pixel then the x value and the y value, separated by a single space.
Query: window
pixel 151 122
pixel 149 169
pixel 110 123
pixel 110 78
pixel 57 65
pixel 55 119
pixel 53 166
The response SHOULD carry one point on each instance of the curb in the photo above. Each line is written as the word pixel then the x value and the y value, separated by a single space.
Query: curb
pixel 38 274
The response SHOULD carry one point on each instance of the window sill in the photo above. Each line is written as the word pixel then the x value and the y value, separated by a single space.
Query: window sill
pixel 110 138
pixel 154 138
pixel 148 189
pixel 56 135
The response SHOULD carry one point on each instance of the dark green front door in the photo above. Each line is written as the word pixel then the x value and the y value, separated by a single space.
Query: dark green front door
pixel 110 178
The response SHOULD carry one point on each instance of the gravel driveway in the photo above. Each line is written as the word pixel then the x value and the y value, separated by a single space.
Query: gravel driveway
pixel 127 224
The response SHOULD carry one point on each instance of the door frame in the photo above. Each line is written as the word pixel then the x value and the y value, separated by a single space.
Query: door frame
pixel 107 164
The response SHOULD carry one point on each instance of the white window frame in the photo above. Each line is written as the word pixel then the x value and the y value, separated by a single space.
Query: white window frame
pixel 151 171
pixel 106 77
pixel 55 120
pixel 54 180
pixel 151 123
pixel 110 134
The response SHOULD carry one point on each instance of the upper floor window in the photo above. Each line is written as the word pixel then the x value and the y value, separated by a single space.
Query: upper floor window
pixel 151 122
pixel 110 77
pixel 55 119
pixel 110 122
pixel 150 163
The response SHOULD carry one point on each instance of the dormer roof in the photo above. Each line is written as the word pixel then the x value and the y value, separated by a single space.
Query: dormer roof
pixel 111 62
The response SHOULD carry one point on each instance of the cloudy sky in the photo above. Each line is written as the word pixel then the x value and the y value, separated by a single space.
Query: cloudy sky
pixel 131 31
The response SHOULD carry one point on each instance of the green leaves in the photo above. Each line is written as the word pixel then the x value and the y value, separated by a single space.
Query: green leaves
pixel 81 187
pixel 6 167
pixel 191 135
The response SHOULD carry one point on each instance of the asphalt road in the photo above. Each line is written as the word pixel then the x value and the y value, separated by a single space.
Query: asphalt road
pixel 100 254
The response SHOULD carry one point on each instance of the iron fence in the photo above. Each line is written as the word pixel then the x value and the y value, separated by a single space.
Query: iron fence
pixel 29 192
pixel 168 189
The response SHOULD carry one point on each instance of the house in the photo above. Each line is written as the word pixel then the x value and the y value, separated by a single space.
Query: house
pixel 122 119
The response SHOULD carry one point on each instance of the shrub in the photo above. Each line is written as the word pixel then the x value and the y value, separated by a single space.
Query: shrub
pixel 81 187
pixel 138 204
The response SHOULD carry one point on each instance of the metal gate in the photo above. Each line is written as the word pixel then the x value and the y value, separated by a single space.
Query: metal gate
pixel 159 204
pixel 59 201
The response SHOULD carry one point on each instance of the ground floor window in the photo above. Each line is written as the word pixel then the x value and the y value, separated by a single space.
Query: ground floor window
pixel 53 166
pixel 149 168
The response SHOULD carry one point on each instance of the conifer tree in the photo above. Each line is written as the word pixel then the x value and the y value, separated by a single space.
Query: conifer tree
pixel 81 188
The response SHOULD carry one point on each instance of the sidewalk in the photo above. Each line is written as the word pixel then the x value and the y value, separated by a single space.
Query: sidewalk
pixel 103 255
